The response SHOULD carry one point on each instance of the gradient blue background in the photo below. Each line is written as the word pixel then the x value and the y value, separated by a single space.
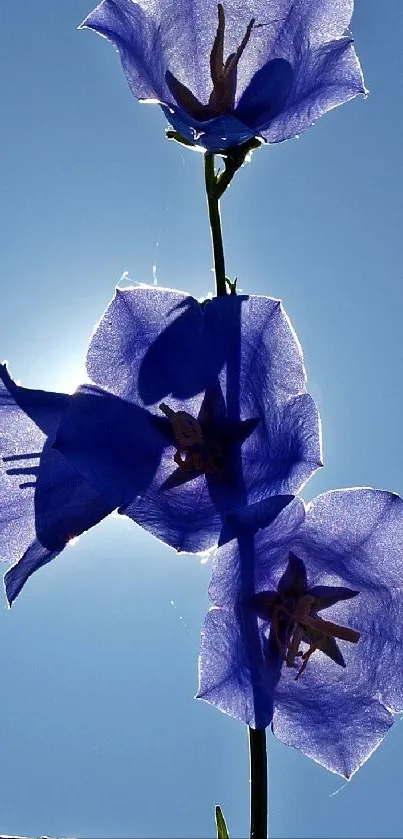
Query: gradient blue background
pixel 99 733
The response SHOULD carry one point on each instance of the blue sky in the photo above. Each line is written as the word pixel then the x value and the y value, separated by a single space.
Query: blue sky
pixel 99 733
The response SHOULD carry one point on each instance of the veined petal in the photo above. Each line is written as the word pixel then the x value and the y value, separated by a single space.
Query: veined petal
pixel 272 537
pixel 286 448
pixel 147 344
pixel 154 342
pixel 135 33
pixel 340 732
pixel 298 23
pixel 323 79
pixel 225 673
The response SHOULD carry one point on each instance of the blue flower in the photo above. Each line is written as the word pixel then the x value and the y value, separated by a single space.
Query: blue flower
pixel 223 386
pixel 265 70
pixel 306 631
pixel 44 501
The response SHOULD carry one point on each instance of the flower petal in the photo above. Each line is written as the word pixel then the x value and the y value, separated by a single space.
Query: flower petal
pixel 266 94
pixel 286 448
pixel 313 22
pixel 188 29
pixel 34 558
pixel 152 343
pixel 253 517
pixel 114 444
pixel 44 502
pixel 149 344
pixel 182 516
pixel 356 535
pixel 136 35
pixel 338 732
pixel 269 555
pixel 352 537
pixel 347 527
pixel 224 673
pixel 324 78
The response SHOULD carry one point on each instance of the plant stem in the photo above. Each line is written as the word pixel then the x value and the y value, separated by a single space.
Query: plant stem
pixel 258 781
pixel 213 203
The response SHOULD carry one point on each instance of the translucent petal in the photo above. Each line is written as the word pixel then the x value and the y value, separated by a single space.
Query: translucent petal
pixel 225 672
pixel 135 34
pixel 323 78
pixel 44 501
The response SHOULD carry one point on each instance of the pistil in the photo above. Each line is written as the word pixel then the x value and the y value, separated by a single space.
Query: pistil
pixel 193 453
pixel 223 75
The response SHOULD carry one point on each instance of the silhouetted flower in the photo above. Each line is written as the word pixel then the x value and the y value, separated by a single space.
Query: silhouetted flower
pixel 267 69
pixel 44 501
pixel 306 631
pixel 224 385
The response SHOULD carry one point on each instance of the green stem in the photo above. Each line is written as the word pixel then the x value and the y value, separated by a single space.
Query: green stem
pixel 213 203
pixel 258 782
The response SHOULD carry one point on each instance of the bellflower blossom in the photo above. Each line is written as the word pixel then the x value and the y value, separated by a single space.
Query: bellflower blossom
pixel 224 384
pixel 44 501
pixel 306 631
pixel 228 72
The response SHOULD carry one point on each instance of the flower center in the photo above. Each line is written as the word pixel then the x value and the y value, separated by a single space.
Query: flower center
pixel 194 452
pixel 306 627
pixel 223 75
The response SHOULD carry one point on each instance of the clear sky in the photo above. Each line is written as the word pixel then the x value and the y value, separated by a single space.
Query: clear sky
pixel 99 732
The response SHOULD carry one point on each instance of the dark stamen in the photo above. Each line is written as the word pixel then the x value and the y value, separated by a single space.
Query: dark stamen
pixel 223 74
pixel 303 626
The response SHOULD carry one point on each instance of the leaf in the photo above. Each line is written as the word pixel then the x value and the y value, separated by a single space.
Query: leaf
pixel 222 830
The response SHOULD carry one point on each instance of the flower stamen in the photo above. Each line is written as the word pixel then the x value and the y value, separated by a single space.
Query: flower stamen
pixel 307 628
pixel 193 453
pixel 223 73
pixel 185 427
